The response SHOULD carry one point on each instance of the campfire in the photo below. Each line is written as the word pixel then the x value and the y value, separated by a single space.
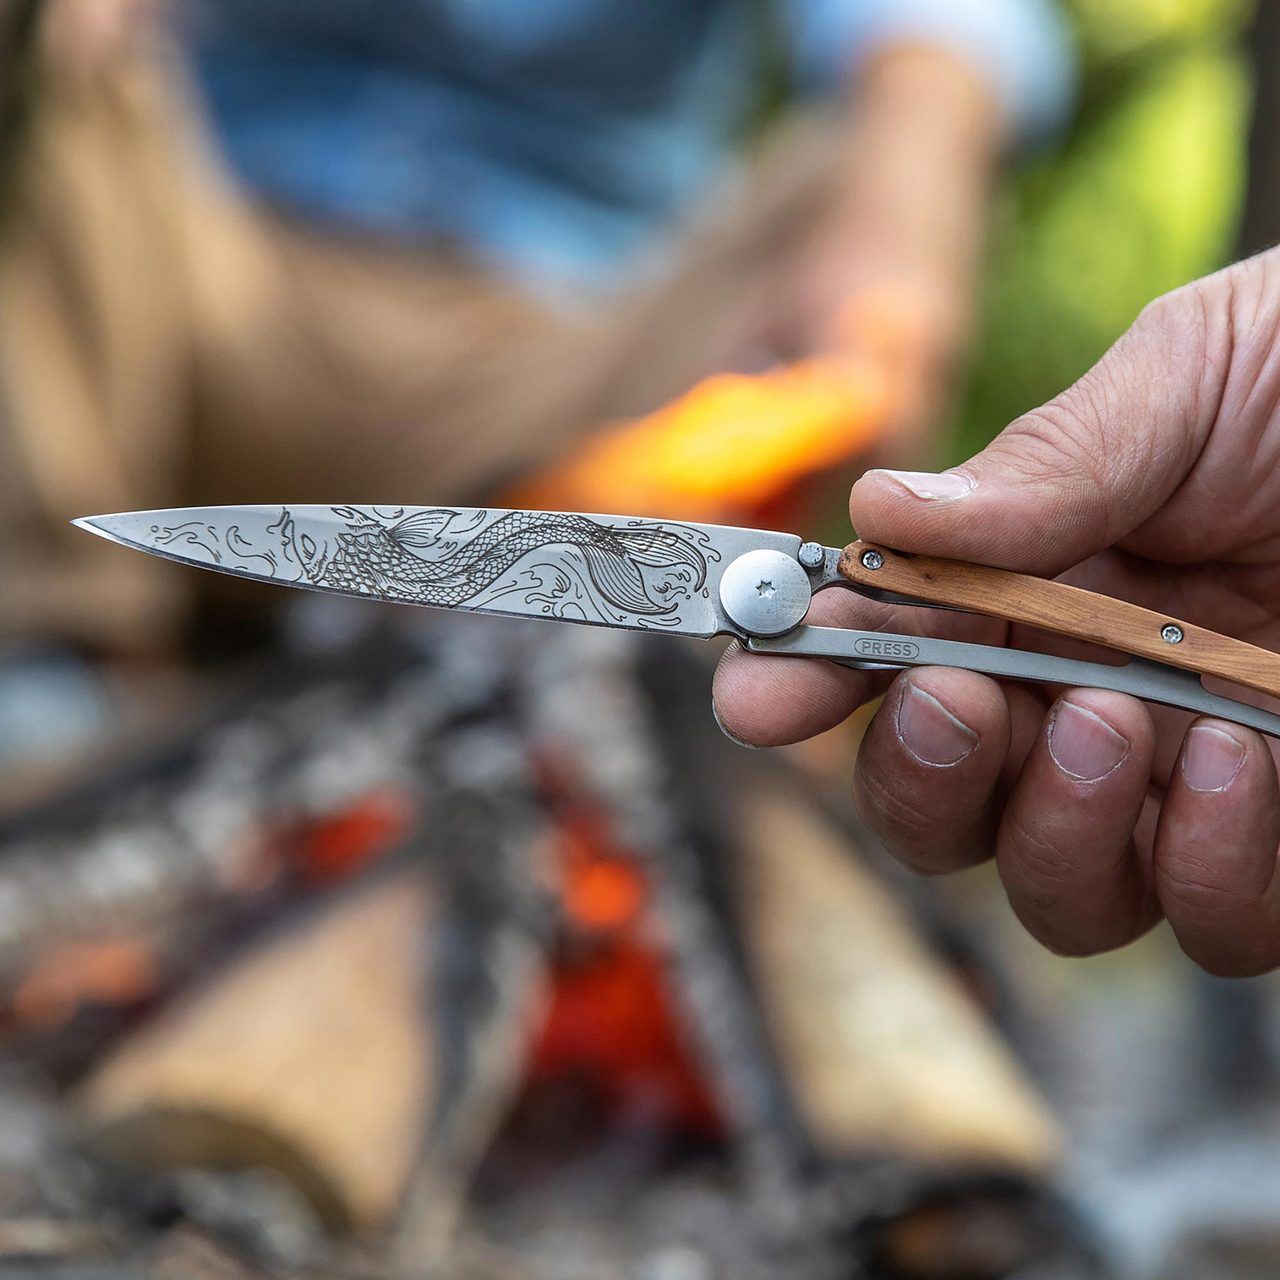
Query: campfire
pixel 474 983
pixel 471 948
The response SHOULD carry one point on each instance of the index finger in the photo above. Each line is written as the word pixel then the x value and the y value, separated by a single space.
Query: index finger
pixel 766 700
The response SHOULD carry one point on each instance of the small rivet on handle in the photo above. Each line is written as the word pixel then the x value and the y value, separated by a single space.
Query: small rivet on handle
pixel 1171 633
pixel 874 560
pixel 811 555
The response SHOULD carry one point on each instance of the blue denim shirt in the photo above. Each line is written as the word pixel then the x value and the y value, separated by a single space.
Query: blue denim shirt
pixel 552 137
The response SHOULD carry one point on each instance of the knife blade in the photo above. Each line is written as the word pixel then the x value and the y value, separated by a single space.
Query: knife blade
pixel 617 571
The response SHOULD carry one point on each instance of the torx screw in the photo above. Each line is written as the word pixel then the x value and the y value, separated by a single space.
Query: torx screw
pixel 872 560
pixel 765 592
pixel 811 555
pixel 1171 633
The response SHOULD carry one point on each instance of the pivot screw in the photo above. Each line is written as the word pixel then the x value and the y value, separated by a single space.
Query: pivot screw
pixel 811 555
pixel 765 593
pixel 1171 633
pixel 874 560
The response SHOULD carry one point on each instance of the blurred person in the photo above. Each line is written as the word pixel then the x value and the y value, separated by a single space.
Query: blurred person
pixel 401 252
pixel 1153 479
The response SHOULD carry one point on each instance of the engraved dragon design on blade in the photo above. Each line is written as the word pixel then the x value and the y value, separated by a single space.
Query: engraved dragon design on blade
pixel 560 564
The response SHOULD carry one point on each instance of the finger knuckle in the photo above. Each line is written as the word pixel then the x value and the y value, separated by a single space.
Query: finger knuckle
pixel 1056 443
pixel 1061 447
pixel 886 802
pixel 912 829
pixel 1042 879
pixel 1043 869
pixel 1195 329
pixel 1162 314
pixel 1195 890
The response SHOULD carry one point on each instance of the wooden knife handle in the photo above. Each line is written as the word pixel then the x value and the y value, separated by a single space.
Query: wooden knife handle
pixel 1068 611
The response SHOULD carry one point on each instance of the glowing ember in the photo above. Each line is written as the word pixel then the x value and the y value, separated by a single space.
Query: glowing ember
pixel 108 971
pixel 611 1029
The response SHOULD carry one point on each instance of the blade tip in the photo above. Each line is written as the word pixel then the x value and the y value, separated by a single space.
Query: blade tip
pixel 98 525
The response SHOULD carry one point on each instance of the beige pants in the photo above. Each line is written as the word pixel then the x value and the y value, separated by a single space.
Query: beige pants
pixel 164 341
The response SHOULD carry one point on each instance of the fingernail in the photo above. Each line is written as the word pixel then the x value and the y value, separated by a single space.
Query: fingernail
pixel 750 746
pixel 1084 745
pixel 943 486
pixel 929 731
pixel 1211 758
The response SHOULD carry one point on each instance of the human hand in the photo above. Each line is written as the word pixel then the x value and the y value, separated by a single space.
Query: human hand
pixel 1156 478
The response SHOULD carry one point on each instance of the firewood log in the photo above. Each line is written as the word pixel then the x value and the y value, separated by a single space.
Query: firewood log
pixel 310 1054
pixel 881 1050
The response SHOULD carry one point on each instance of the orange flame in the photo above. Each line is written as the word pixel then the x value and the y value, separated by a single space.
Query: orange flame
pixel 612 1025
pixel 732 444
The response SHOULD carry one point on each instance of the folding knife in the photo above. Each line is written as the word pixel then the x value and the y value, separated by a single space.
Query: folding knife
pixel 699 580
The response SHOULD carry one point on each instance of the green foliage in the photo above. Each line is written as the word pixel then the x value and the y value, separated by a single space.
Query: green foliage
pixel 1142 196
pixel 1110 29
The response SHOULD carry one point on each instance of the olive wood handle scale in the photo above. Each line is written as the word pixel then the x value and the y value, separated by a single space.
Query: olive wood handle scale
pixel 1066 610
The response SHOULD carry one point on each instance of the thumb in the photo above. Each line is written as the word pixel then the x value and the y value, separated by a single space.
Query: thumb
pixel 1077 475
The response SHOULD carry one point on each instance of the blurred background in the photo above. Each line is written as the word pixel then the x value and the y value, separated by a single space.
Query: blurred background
pixel 340 940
